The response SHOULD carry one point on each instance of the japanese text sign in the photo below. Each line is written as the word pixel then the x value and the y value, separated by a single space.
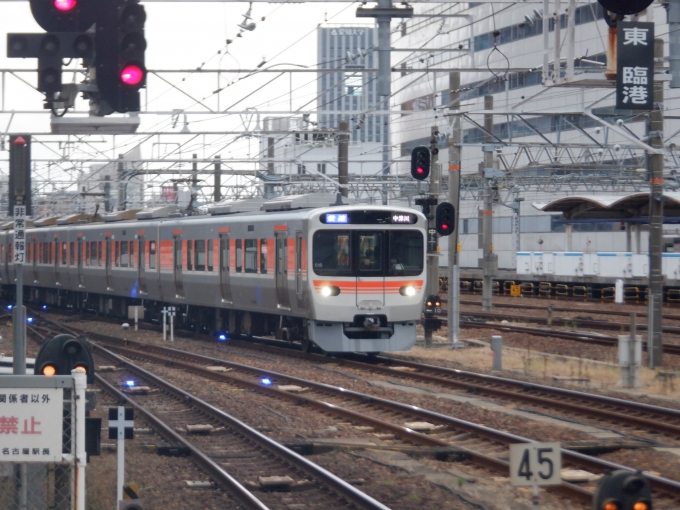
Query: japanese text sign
pixel 31 424
pixel 19 234
pixel 635 66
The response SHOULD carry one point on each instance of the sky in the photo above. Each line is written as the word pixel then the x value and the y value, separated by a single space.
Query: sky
pixel 189 35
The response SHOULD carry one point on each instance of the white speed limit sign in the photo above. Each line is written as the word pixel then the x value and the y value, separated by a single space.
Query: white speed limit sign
pixel 535 464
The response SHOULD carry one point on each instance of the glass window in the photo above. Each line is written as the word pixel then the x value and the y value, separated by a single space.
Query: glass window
pixel 209 254
pixel 132 254
pixel 239 256
pixel 140 256
pixel 93 253
pixel 87 253
pixel 354 83
pixel 331 252
pixel 224 254
pixel 200 255
pixel 72 254
pixel 251 255
pixel 152 254
pixel 263 256
pixel 370 251
pixel 64 251
pixel 116 258
pixel 123 254
pixel 406 253
pixel 190 263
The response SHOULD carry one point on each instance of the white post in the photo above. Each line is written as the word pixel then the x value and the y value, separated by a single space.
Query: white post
pixel 121 454
pixel 164 311
pixel 80 379
pixel 136 317
pixel 172 323
pixel 534 497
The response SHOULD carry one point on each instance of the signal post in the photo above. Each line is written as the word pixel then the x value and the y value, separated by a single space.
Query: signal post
pixel 441 221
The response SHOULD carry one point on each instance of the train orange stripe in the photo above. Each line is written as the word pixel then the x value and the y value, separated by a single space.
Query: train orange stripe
pixel 177 232
pixel 280 228
pixel 224 229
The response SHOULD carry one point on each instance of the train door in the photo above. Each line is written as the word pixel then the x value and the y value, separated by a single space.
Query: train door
pixel 107 263
pixel 299 259
pixel 57 279
pixel 225 283
pixel 141 264
pixel 281 270
pixel 79 261
pixel 368 256
pixel 177 266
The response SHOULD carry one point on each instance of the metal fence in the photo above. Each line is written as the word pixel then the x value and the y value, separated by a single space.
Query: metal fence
pixel 38 484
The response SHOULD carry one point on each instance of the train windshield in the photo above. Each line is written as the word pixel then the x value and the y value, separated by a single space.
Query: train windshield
pixel 368 252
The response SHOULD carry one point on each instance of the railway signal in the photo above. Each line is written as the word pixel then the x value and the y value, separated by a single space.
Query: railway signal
pixel 625 7
pixel 622 490
pixel 420 163
pixel 50 49
pixel 445 219
pixel 63 353
pixel 120 55
pixel 63 15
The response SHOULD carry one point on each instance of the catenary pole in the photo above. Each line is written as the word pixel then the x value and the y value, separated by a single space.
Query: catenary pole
pixel 455 157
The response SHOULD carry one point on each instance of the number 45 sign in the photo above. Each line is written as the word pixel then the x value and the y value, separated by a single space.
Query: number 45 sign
pixel 535 464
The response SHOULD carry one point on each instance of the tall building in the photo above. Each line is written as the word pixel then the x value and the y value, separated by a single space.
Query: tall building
pixel 351 93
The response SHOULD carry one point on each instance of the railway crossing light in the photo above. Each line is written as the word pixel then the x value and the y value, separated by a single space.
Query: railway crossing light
pixel 622 490
pixel 420 163
pixel 445 219
pixel 120 55
pixel 63 353
pixel 625 7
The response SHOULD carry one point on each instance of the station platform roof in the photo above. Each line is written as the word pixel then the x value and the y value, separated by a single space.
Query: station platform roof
pixel 631 208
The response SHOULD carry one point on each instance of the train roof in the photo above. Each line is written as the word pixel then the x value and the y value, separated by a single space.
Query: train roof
pixel 280 213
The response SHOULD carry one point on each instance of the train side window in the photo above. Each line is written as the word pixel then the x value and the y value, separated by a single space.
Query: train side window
pixel 123 254
pixel 239 255
pixel 251 255
pixel 132 254
pixel 190 262
pixel 116 258
pixel 72 254
pixel 199 261
pixel 152 254
pixel 263 256
pixel 140 254
pixel 209 255
pixel 93 253
pixel 64 255
pixel 87 254
pixel 224 254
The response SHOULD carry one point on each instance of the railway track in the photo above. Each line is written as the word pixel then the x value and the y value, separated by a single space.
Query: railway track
pixel 580 336
pixel 251 455
pixel 480 444
pixel 526 306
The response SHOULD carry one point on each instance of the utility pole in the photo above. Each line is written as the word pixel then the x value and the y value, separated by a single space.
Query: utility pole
pixel 432 286
pixel 122 198
pixel 383 14
pixel 18 168
pixel 217 192
pixel 489 261
pixel 655 297
pixel 455 157
pixel 343 157
pixel 674 42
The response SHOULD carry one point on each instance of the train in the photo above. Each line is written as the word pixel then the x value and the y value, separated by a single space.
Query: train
pixel 344 278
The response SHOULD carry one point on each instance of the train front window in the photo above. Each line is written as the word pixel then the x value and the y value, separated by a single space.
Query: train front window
pixel 406 253
pixel 331 253
pixel 368 252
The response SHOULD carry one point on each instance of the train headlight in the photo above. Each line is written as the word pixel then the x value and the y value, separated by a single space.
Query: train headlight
pixel 330 290
pixel 407 290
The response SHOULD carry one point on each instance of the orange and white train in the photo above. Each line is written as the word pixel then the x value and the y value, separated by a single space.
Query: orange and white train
pixel 346 278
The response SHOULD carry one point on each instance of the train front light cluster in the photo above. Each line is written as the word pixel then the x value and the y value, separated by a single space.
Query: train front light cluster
pixel 330 290
pixel 407 290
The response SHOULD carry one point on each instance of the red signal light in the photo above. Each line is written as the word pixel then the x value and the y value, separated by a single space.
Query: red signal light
pixel 420 170
pixel 445 226
pixel 64 5
pixel 132 75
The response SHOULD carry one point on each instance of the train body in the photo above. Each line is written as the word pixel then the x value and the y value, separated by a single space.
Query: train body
pixel 347 278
